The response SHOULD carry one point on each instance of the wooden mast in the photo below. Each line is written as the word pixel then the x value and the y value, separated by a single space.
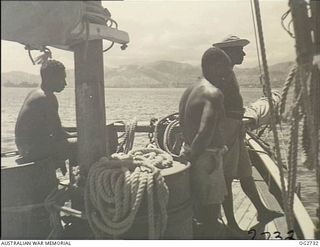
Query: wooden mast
pixel 90 103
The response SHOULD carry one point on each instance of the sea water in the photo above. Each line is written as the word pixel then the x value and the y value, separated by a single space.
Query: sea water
pixel 142 104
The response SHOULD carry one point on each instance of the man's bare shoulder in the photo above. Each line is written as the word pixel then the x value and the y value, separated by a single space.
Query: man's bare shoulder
pixel 212 92
pixel 38 96
pixel 39 93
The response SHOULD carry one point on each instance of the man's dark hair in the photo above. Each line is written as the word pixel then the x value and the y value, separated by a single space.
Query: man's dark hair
pixel 50 68
pixel 212 60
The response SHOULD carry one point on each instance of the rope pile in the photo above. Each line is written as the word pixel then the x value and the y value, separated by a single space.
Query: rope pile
pixel 153 156
pixel 114 191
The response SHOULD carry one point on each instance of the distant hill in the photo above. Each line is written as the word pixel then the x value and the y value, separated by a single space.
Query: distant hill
pixel 250 76
pixel 19 79
pixel 156 74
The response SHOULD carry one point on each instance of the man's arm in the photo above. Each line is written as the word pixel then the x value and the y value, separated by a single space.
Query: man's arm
pixel 53 119
pixel 208 126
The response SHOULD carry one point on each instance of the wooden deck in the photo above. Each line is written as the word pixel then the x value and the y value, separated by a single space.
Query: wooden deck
pixel 246 214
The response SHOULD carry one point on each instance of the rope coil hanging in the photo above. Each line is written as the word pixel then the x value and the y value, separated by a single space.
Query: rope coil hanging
pixel 128 138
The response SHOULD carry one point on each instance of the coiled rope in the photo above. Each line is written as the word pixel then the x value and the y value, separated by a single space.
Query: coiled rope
pixel 153 156
pixel 160 128
pixel 114 192
pixel 171 128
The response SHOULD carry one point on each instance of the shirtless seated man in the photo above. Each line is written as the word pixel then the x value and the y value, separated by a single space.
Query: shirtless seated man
pixel 201 113
pixel 38 130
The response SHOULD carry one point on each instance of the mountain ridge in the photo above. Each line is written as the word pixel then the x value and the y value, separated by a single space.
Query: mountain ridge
pixel 161 73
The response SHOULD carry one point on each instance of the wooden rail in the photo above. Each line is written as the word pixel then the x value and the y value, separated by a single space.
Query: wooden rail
pixel 142 126
pixel 302 218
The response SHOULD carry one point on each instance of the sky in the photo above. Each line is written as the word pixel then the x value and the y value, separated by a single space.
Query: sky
pixel 176 30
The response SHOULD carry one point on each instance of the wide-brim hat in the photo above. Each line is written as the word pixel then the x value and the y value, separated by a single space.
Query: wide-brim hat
pixel 232 41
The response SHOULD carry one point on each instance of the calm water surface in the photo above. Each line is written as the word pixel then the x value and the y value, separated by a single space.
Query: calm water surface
pixel 125 104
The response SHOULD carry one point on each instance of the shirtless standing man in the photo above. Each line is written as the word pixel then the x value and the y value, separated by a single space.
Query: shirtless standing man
pixel 236 161
pixel 201 113
pixel 38 130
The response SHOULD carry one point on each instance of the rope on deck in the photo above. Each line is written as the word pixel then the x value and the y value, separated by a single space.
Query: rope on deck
pixel 114 192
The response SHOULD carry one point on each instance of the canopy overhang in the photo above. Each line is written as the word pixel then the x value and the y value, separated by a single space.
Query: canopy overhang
pixel 60 24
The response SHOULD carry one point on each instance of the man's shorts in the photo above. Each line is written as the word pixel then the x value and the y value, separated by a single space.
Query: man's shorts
pixel 236 162
pixel 208 184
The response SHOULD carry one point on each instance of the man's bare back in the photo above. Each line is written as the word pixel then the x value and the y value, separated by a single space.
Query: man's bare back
pixel 38 125
pixel 201 111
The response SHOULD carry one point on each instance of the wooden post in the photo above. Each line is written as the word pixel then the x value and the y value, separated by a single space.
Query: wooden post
pixel 90 103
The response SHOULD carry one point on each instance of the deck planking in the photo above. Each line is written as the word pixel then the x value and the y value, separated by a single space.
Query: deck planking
pixel 246 213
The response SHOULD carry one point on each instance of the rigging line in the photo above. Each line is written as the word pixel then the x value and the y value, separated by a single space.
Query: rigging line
pixel 287 29
pixel 107 49
pixel 30 56
pixel 272 110
pixel 256 40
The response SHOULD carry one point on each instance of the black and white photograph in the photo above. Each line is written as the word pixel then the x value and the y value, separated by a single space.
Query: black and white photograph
pixel 160 120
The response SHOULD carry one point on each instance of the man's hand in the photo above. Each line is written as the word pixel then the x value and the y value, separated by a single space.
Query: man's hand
pixel 217 155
